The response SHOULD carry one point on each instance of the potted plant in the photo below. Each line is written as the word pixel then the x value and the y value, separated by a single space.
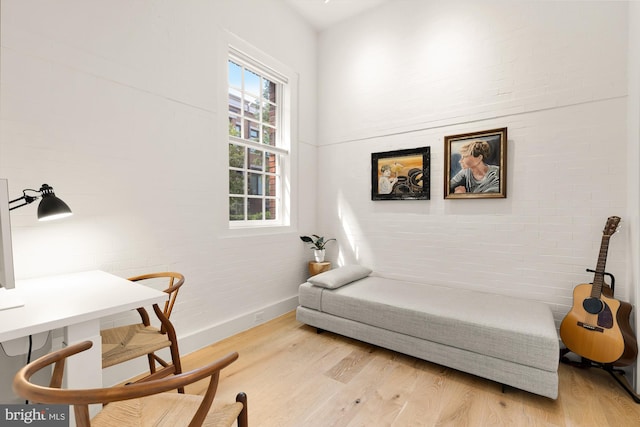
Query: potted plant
pixel 317 243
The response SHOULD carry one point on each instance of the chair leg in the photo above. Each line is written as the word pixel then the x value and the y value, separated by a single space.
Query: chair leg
pixel 243 417
pixel 171 334
pixel 82 415
pixel 177 365
pixel 152 363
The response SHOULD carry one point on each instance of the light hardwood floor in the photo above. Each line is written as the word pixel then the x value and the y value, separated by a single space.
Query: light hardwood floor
pixel 295 377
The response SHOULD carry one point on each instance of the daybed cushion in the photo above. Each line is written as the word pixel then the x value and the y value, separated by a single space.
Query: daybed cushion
pixel 494 325
pixel 338 277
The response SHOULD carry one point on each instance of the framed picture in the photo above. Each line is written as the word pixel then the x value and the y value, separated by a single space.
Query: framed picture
pixel 401 174
pixel 475 165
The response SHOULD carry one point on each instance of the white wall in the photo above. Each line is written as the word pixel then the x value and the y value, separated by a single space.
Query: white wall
pixel 411 72
pixel 119 106
pixel 633 127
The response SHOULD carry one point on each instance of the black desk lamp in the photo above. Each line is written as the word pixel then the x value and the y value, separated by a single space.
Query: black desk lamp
pixel 51 207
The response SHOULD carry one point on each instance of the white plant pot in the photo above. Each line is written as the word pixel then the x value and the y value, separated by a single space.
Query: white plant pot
pixel 318 254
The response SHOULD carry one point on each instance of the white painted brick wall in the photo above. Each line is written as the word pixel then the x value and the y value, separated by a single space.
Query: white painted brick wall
pixel 409 73
pixel 117 105
pixel 633 155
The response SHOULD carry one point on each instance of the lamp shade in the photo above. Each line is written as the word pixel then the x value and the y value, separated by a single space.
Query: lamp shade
pixel 50 206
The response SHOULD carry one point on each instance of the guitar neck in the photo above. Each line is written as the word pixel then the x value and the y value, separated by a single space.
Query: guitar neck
pixel 598 278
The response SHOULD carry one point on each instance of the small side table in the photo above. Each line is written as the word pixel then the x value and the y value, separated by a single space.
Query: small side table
pixel 318 267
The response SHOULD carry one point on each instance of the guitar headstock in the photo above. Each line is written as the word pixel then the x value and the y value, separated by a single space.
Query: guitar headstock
pixel 612 225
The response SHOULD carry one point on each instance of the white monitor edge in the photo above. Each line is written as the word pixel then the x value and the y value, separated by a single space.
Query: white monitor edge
pixel 7 278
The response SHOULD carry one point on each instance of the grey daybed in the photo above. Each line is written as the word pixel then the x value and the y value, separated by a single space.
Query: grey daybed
pixel 508 340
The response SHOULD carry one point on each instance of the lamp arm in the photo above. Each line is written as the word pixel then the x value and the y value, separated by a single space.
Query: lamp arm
pixel 27 199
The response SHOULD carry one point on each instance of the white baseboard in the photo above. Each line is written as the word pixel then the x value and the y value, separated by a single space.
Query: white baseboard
pixel 214 333
pixel 202 338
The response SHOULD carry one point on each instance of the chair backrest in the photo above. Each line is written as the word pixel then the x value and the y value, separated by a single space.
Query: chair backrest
pixel 175 281
pixel 53 394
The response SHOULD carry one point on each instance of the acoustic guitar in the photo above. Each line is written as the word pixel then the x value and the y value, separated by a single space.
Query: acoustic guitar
pixel 597 327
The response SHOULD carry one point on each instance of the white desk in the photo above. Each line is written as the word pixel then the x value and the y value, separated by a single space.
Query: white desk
pixel 75 302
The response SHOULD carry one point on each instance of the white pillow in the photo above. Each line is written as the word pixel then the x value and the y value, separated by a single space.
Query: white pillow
pixel 341 276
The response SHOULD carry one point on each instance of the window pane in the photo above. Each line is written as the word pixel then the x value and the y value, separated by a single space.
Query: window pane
pixel 268 136
pixel 235 127
pixel 236 156
pixel 270 211
pixel 255 209
pixel 254 184
pixel 234 100
pixel 236 182
pixel 270 189
pixel 269 113
pixel 270 164
pixel 251 82
pixel 251 107
pixel 236 208
pixel 255 159
pixel 269 90
pixel 235 75
pixel 251 131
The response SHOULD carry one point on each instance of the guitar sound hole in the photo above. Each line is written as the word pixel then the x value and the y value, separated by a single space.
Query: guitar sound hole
pixel 592 305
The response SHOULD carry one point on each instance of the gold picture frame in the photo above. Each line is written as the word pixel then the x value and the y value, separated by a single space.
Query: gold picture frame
pixel 475 165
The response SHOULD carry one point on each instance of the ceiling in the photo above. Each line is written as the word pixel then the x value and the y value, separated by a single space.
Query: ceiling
pixel 322 14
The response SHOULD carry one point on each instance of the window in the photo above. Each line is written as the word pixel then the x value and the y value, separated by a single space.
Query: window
pixel 258 144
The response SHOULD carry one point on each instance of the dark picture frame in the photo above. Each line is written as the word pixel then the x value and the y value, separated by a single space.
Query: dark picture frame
pixel 468 155
pixel 401 174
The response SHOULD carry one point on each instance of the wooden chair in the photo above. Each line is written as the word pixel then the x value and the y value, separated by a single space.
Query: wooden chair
pixel 129 342
pixel 141 404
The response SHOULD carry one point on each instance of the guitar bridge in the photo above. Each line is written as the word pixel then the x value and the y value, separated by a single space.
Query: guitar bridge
pixel 590 327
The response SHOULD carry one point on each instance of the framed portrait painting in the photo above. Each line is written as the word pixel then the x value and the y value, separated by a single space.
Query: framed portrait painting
pixel 475 165
pixel 401 174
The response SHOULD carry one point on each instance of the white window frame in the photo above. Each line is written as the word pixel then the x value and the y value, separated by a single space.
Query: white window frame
pixel 238 50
